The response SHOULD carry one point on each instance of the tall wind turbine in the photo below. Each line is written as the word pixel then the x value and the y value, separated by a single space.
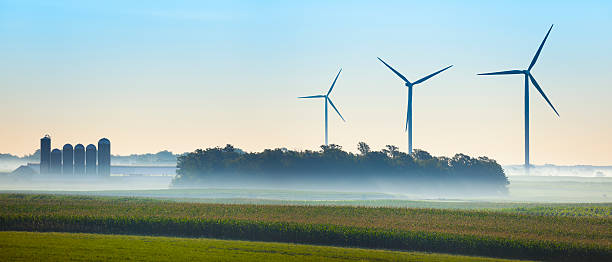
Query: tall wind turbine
pixel 327 99
pixel 528 76
pixel 409 110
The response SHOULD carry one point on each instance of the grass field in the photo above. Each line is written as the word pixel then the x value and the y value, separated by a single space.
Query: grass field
pixel 487 233
pixel 29 246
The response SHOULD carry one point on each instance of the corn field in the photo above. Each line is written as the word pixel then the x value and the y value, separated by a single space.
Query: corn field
pixel 483 233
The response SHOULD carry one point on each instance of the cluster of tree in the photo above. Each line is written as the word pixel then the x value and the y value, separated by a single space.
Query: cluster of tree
pixel 162 157
pixel 333 161
pixel 32 157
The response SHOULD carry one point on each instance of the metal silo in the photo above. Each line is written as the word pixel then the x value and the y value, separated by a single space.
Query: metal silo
pixel 55 163
pixel 79 159
pixel 90 160
pixel 68 160
pixel 45 154
pixel 104 155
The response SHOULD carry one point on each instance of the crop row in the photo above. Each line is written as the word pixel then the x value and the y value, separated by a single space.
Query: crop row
pixel 323 234
pixel 570 211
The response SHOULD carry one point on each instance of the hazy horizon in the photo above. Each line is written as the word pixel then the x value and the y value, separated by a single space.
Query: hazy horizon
pixel 518 165
pixel 181 76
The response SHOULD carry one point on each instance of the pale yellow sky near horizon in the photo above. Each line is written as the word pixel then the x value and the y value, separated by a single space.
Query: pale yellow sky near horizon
pixel 183 76
pixel 139 124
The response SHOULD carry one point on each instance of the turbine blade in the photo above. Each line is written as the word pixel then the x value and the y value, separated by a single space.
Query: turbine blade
pixel 394 71
pixel 542 93
pixel 319 96
pixel 332 104
pixel 332 86
pixel 535 58
pixel 509 72
pixel 430 76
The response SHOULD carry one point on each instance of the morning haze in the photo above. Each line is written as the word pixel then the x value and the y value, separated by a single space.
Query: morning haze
pixel 305 130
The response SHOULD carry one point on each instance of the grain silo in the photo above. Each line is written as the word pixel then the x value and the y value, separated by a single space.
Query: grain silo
pixel 55 163
pixel 104 155
pixel 90 160
pixel 45 154
pixel 68 160
pixel 79 159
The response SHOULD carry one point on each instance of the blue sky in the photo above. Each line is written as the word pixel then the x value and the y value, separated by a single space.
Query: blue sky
pixel 154 75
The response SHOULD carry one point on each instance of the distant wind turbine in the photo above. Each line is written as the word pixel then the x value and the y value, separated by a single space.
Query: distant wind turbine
pixel 409 110
pixel 528 76
pixel 327 99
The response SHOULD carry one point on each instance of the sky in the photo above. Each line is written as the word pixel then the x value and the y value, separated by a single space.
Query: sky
pixel 182 75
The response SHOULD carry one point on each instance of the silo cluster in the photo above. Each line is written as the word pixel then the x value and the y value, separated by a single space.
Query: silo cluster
pixel 78 161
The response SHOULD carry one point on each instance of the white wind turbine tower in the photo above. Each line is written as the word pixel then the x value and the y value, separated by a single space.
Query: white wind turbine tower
pixel 410 86
pixel 327 99
pixel 529 76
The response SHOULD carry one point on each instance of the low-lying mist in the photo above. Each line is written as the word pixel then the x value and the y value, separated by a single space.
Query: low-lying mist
pixel 549 189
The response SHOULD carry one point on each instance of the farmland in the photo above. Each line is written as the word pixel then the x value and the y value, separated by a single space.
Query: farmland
pixel 505 233
pixel 27 246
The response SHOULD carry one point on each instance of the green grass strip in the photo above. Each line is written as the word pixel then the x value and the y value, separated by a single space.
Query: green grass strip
pixel 34 246
pixel 309 234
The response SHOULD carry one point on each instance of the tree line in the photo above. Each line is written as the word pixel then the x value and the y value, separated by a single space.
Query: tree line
pixel 161 157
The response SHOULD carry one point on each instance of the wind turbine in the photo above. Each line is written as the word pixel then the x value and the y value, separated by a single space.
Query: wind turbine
pixel 528 76
pixel 409 110
pixel 327 99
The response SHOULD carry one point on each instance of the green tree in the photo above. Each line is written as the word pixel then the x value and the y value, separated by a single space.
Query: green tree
pixel 363 148
pixel 229 148
pixel 392 151
pixel 421 154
